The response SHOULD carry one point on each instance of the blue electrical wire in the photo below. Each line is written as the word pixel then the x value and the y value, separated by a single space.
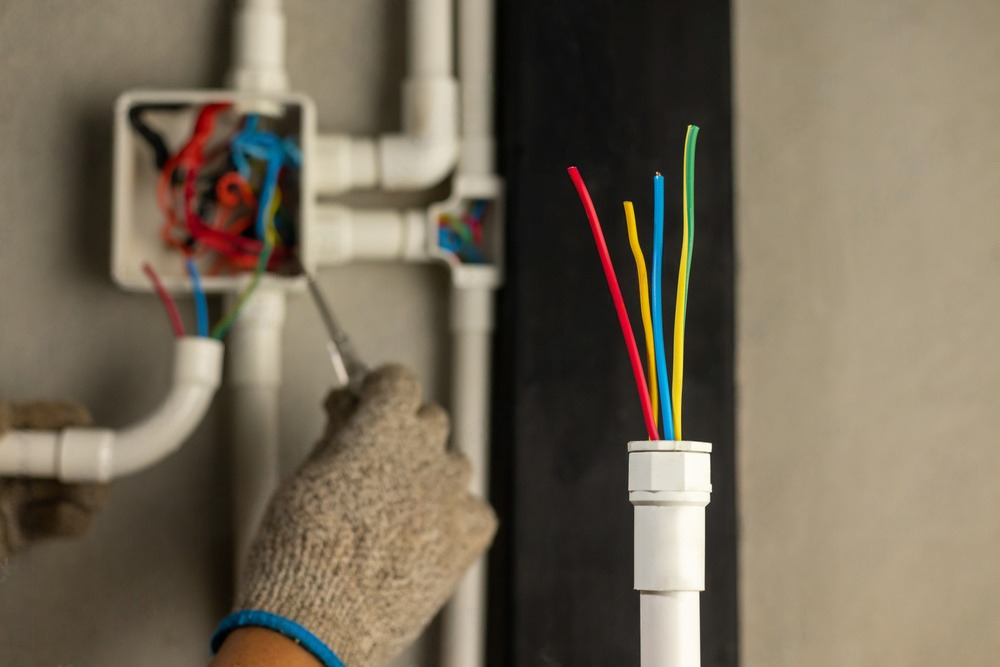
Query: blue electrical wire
pixel 200 301
pixel 656 302
pixel 275 152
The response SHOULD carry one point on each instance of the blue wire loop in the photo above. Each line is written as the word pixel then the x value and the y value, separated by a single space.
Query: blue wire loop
pixel 656 302
pixel 274 151
pixel 200 300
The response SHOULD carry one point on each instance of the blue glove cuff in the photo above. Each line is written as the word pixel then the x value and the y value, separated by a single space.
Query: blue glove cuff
pixel 264 619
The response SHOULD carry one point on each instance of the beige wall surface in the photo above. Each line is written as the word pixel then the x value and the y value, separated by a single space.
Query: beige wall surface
pixel 147 586
pixel 868 172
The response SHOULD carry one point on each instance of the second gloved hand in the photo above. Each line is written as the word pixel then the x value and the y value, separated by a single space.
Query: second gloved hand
pixel 370 537
pixel 37 509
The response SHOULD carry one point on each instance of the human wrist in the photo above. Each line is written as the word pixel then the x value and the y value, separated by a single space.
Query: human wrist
pixel 261 647
pixel 281 633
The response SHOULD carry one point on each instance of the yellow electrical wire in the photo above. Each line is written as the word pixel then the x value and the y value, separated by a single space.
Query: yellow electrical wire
pixel 680 308
pixel 272 232
pixel 647 320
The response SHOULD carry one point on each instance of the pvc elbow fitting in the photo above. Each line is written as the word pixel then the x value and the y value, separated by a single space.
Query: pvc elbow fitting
pixel 98 455
pixel 197 375
pixel 427 150
pixel 258 57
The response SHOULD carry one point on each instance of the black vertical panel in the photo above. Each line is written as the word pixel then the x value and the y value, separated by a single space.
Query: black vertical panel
pixel 608 86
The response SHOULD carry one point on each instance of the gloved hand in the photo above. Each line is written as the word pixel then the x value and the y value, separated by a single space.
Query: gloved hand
pixel 366 542
pixel 34 509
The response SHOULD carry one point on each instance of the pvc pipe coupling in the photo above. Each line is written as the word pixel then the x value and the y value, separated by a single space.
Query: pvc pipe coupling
pixel 98 454
pixel 669 485
pixel 258 48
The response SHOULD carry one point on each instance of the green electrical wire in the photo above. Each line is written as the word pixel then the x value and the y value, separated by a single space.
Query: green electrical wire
pixel 684 278
pixel 226 323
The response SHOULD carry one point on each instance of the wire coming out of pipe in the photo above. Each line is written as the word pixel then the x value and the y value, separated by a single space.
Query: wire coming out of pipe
pixel 659 388
pixel 200 300
pixel 616 296
pixel 647 324
pixel 176 323
pixel 684 275
pixel 656 301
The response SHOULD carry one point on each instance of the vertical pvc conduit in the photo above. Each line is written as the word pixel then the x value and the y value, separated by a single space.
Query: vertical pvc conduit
pixel 255 378
pixel 429 42
pixel 670 485
pixel 257 66
pixel 258 57
pixel 463 642
pixel 476 46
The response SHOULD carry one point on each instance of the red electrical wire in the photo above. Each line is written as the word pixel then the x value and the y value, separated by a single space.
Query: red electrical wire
pixel 168 301
pixel 192 157
pixel 616 296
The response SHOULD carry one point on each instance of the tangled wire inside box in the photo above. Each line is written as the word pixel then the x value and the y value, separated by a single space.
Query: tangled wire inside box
pixel 209 185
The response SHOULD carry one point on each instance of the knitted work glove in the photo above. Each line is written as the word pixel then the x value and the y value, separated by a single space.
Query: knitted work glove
pixel 366 542
pixel 35 509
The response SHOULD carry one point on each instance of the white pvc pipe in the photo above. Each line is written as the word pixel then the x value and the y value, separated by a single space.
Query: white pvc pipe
pixel 429 38
pixel 341 234
pixel 255 380
pixel 670 627
pixel 196 379
pixel 258 56
pixel 426 150
pixel 670 485
pixel 463 642
pixel 476 44
pixel 98 455
pixel 342 163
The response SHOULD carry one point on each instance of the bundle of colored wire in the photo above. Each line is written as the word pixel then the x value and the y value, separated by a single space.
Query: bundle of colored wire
pixel 230 170
pixel 684 275
pixel 616 297
pixel 462 235
pixel 168 301
pixel 229 199
pixel 670 397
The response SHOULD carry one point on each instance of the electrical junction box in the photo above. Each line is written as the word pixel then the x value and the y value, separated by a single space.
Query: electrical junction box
pixel 162 218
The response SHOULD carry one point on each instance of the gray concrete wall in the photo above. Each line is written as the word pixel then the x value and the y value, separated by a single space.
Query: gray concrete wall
pixel 868 173
pixel 148 585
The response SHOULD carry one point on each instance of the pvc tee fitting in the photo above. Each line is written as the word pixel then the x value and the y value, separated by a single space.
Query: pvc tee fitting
pixel 669 484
